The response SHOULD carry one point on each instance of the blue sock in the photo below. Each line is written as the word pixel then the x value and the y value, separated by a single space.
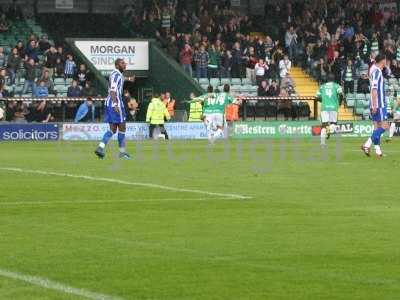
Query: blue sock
pixel 106 137
pixel 121 141
pixel 376 135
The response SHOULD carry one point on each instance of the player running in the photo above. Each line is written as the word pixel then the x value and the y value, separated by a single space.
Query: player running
pixel 214 111
pixel 330 95
pixel 395 106
pixel 115 113
pixel 378 106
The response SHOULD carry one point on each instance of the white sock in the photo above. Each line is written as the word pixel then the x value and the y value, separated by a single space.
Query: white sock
pixel 102 145
pixel 368 143
pixel 121 150
pixel 392 129
pixel 211 136
pixel 378 149
pixel 323 136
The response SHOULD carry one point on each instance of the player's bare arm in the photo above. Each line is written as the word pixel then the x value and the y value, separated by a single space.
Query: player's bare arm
pixel 374 100
pixel 114 100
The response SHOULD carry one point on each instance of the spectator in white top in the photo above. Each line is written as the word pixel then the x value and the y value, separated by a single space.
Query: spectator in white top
pixel 284 67
pixel 260 69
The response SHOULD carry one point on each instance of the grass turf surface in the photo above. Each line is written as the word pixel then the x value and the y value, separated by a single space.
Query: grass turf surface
pixel 319 225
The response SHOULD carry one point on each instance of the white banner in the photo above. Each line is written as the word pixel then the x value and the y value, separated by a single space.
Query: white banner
pixel 134 131
pixel 102 54
pixel 64 4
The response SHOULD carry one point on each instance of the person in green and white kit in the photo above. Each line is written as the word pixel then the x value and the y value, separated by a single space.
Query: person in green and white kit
pixel 214 110
pixel 330 95
pixel 395 106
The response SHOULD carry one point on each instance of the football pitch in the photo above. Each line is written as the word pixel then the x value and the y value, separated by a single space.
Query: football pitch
pixel 243 219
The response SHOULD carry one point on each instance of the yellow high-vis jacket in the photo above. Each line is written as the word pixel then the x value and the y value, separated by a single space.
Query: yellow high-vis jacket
pixel 156 112
pixel 195 112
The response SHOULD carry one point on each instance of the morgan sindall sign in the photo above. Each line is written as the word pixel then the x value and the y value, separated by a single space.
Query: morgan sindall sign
pixel 102 54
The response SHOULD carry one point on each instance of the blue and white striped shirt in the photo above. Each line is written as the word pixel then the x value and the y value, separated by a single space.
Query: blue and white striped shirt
pixel 377 83
pixel 70 67
pixel 116 84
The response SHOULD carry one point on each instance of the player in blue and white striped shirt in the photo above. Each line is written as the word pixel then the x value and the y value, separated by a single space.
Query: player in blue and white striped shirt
pixel 115 113
pixel 378 106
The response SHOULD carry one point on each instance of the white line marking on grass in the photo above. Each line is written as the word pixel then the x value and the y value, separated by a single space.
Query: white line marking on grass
pixel 384 151
pixel 53 285
pixel 123 182
pixel 33 203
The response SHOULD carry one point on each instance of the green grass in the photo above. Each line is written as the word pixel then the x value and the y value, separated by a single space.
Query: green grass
pixel 319 225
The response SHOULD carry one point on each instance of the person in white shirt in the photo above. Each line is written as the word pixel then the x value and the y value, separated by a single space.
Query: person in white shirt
pixel 260 69
pixel 284 67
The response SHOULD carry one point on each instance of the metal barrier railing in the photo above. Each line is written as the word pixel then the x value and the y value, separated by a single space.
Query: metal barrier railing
pixel 314 109
pixel 52 99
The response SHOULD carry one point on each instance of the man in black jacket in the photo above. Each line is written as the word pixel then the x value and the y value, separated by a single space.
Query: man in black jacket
pixel 363 84
pixel 13 62
pixel 30 76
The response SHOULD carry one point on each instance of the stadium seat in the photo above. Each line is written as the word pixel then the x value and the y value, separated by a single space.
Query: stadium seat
pixel 254 89
pixel 351 102
pixel 235 89
pixel 203 81
pixel 225 81
pixel 59 81
pixel 246 81
pixel 393 81
pixel 214 82
pixel 204 86
pixel 236 81
pixel 18 89
pixel 366 113
pixel 245 89
pixel 359 110
pixel 360 97
pixel 61 88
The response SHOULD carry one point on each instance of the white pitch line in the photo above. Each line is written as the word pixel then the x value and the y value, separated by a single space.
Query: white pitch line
pixel 22 203
pixel 54 285
pixel 384 151
pixel 124 182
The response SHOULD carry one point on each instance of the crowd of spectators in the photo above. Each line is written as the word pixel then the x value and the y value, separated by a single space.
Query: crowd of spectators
pixel 214 40
pixel 39 61
pixel 344 40
pixel 32 66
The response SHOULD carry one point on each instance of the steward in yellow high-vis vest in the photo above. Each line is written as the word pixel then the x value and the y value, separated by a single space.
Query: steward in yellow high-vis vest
pixel 157 112
pixel 195 112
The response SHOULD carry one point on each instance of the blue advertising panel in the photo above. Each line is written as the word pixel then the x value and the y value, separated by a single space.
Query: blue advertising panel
pixel 29 132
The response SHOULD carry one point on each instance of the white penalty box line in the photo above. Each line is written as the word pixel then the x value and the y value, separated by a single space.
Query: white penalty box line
pixel 83 202
pixel 54 285
pixel 124 182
